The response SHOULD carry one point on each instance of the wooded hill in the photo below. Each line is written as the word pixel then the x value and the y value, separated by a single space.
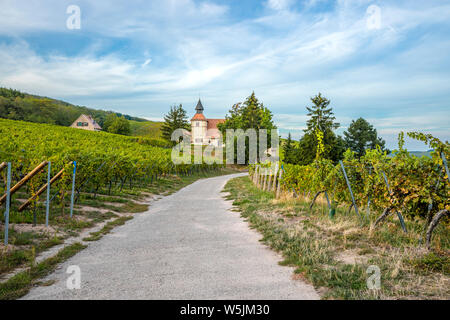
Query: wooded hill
pixel 16 105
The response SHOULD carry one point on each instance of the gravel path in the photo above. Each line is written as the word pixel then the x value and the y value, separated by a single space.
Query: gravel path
pixel 187 246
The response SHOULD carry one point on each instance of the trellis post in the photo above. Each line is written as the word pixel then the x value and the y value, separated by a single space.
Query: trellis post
pixel 260 177
pixel 368 197
pixel 279 183
pixel 265 180
pixel 73 188
pixel 328 199
pixel 8 202
pixel 349 188
pixel 399 215
pixel 274 185
pixel 270 179
pixel 444 160
pixel 47 205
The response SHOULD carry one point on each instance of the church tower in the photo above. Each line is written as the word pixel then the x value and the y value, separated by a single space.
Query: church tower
pixel 199 125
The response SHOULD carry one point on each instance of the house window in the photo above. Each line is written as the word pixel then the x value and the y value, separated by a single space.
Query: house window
pixel 197 124
pixel 79 124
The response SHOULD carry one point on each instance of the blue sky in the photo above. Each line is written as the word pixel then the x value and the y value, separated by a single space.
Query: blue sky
pixel 139 57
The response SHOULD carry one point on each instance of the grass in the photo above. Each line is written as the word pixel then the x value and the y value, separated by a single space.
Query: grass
pixel 20 284
pixel 34 242
pixel 431 262
pixel 94 236
pixel 334 254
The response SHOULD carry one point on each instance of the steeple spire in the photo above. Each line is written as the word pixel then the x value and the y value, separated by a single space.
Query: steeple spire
pixel 199 107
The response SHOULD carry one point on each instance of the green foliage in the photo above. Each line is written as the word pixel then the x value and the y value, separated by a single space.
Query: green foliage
pixel 147 129
pixel 11 93
pixel 252 114
pixel 414 182
pixel 360 136
pixel 119 126
pixel 321 116
pixel 320 149
pixel 16 105
pixel 432 142
pixel 289 150
pixel 110 118
pixel 322 119
pixel 120 157
pixel 175 119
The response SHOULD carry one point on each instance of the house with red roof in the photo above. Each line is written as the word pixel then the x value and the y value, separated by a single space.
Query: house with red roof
pixel 204 131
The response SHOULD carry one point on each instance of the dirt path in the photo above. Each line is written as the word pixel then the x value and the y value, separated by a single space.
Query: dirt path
pixel 189 245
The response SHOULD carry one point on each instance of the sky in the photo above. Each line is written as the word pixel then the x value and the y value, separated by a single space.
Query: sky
pixel 385 61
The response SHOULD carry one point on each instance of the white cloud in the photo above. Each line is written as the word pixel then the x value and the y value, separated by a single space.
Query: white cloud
pixel 147 62
pixel 285 55
pixel 279 4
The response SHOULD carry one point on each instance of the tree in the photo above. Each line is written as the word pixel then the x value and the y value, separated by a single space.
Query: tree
pixel 252 114
pixel 289 150
pixel 110 118
pixel 120 126
pixel 360 136
pixel 321 118
pixel 175 119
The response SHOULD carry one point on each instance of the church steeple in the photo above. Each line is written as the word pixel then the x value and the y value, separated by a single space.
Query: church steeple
pixel 199 107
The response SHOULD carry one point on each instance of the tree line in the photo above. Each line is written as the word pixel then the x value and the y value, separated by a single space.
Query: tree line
pixel 359 137
pixel 16 105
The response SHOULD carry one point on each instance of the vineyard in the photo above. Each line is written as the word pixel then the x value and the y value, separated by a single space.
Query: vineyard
pixel 374 186
pixel 88 162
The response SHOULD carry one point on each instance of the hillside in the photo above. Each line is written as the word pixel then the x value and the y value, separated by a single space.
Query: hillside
pixel 16 105
pixel 149 129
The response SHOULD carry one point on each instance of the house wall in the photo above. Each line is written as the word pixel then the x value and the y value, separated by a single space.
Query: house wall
pixel 198 131
pixel 83 119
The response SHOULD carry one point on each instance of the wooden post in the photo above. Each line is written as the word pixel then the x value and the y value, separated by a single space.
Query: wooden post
pixel 274 186
pixel 259 177
pixel 256 175
pixel 269 184
pixel 24 180
pixel 265 179
pixel 279 183
pixel 41 190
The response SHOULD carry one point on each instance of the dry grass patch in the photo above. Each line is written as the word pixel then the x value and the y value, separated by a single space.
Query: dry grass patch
pixel 334 254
